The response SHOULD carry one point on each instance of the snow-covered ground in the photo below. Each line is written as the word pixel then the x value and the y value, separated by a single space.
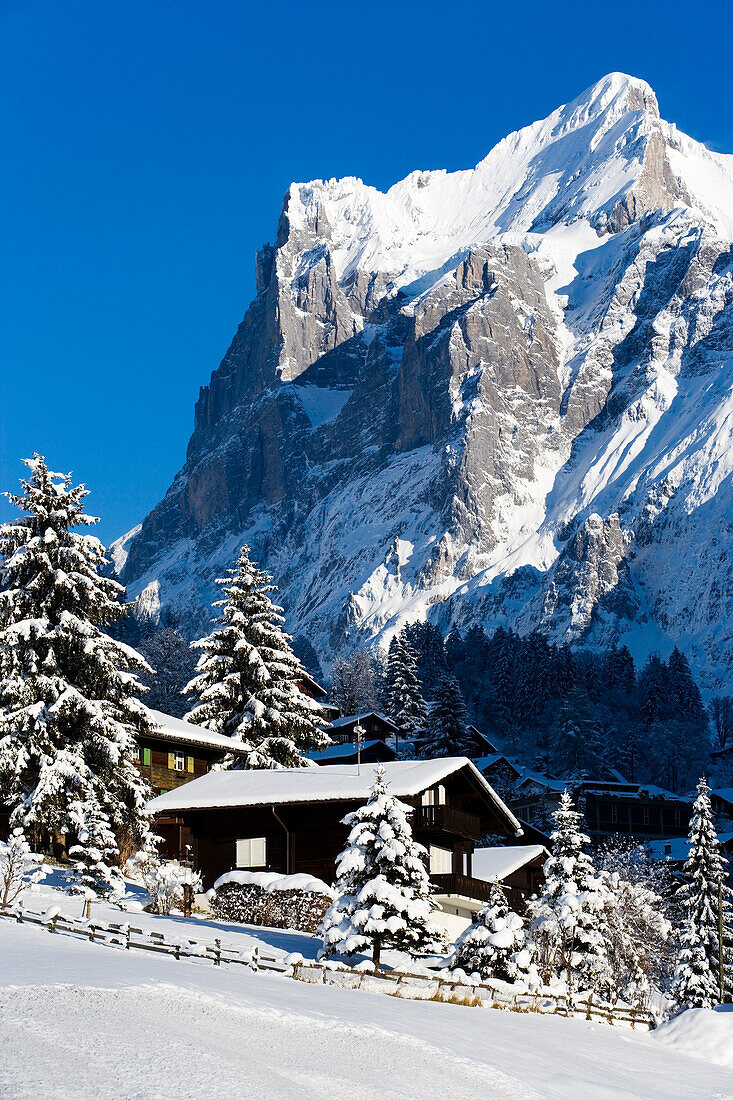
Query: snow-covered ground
pixel 84 1020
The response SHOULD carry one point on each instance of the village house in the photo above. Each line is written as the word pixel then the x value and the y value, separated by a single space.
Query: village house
pixel 610 806
pixel 721 803
pixel 375 726
pixel 173 753
pixel 290 821
pixel 371 752
pixel 519 869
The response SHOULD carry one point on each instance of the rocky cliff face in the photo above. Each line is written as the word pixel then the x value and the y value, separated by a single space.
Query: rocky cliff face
pixel 500 395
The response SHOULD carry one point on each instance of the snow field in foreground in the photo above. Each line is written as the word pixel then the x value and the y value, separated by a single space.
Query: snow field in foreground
pixel 85 1021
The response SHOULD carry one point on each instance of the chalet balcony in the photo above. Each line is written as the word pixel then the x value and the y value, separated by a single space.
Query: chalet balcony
pixel 463 886
pixel 446 819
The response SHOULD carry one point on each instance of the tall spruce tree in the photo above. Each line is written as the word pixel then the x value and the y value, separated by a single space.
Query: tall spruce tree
pixel 447 732
pixel 405 700
pixel 383 892
pixel 68 706
pixel 247 678
pixel 567 915
pixel 702 977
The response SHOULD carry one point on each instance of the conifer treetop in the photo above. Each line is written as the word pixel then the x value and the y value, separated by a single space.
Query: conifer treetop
pixel 247 677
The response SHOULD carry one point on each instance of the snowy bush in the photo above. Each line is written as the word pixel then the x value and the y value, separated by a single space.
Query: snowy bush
pixel 265 899
pixel 19 868
pixel 636 935
pixel 165 883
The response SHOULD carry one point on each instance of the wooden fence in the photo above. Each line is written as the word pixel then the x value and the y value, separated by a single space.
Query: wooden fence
pixel 395 983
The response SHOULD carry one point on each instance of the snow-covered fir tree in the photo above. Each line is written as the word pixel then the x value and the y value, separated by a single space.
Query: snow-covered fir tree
pixel 567 915
pixel 701 976
pixel 447 732
pixel 383 891
pixel 496 944
pixel 19 867
pixel 405 699
pixel 95 871
pixel 247 677
pixel 68 706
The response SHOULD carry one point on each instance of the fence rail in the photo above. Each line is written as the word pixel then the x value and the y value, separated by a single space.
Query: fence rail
pixel 396 983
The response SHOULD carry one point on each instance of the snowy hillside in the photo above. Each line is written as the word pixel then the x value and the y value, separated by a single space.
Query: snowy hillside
pixel 134 1024
pixel 498 395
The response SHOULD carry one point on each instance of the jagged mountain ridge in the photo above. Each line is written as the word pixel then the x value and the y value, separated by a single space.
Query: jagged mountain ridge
pixel 498 395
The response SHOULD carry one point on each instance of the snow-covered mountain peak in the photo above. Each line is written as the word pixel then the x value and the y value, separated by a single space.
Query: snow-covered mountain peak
pixel 603 158
pixel 519 374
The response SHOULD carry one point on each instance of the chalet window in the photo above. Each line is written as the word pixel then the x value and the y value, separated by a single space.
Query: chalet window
pixel 179 761
pixel 614 812
pixel 146 757
pixel 645 815
pixel 434 797
pixel 136 753
pixel 441 860
pixel 252 852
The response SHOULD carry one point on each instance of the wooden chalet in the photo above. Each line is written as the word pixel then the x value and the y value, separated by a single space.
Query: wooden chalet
pixel 176 752
pixel 610 806
pixel 312 688
pixel 290 821
pixel 518 868
pixel 721 802
pixel 375 726
pixel 372 752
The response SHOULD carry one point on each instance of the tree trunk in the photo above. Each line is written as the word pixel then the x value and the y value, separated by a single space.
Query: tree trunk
pixel 377 952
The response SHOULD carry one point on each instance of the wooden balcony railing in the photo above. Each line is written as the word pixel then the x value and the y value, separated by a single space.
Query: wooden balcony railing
pixel 448 820
pixel 463 885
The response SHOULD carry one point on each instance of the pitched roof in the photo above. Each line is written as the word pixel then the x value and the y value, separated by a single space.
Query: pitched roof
pixel 168 728
pixel 349 719
pixel 495 864
pixel 329 783
pixel 482 762
pixel 334 751
pixel 725 794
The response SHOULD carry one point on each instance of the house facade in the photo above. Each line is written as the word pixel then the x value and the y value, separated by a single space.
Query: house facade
pixel 519 869
pixel 375 726
pixel 610 807
pixel 291 822
pixel 175 752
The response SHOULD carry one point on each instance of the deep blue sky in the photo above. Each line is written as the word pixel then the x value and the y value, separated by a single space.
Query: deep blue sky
pixel 147 145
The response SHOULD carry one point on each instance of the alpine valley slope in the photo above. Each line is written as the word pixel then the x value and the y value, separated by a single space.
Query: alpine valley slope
pixel 501 395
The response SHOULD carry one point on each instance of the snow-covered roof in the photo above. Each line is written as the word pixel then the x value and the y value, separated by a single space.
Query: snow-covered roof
pixel 334 751
pixel 543 781
pixel 348 719
pixel 677 848
pixel 724 793
pixel 168 728
pixel 495 864
pixel 482 762
pixel 329 783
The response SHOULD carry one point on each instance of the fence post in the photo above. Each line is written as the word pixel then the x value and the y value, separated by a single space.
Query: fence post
pixel 217 953
pixel 52 924
pixel 589 1003
pixel 127 941
pixel 255 963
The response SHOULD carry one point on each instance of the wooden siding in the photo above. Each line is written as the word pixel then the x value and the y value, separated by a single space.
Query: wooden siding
pixel 317 835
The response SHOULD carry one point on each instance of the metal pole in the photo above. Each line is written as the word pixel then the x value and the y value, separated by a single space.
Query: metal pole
pixel 721 957
pixel 358 731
